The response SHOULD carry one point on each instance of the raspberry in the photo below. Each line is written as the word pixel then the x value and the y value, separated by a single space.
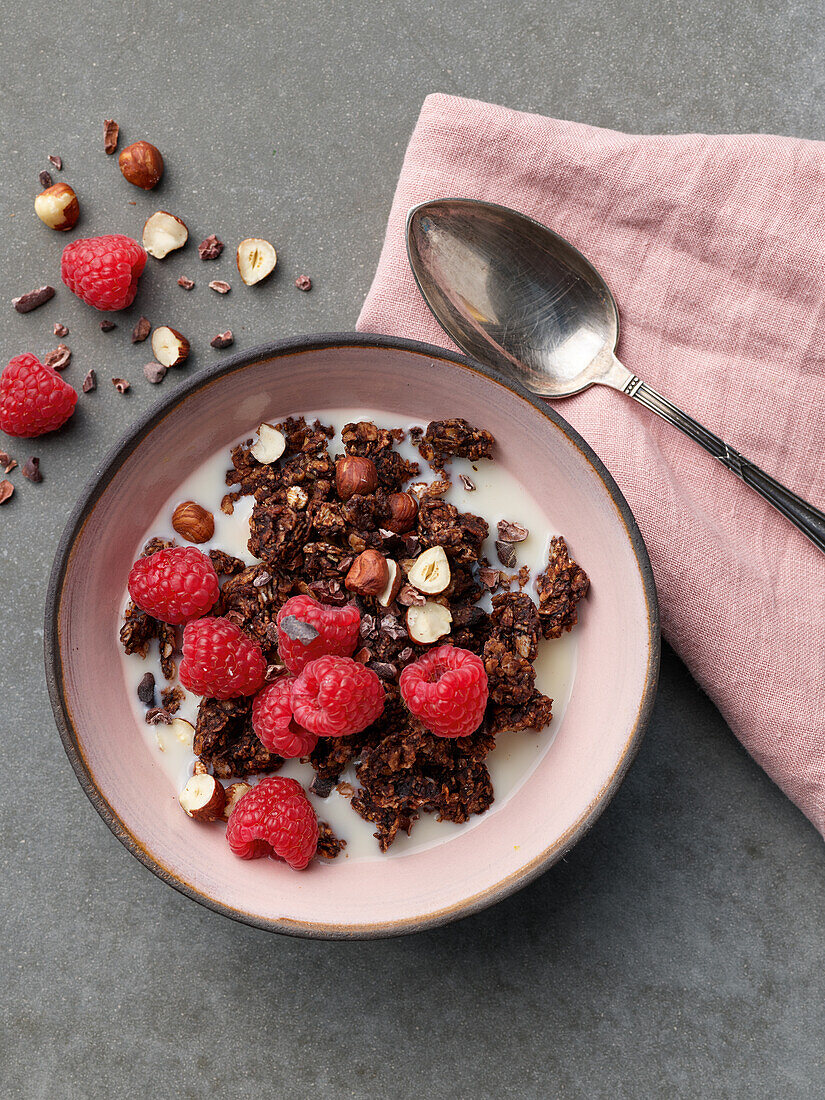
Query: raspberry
pixel 335 696
pixel 274 819
pixel 274 725
pixel 103 271
pixel 33 398
pixel 447 690
pixel 174 585
pixel 219 660
pixel 337 631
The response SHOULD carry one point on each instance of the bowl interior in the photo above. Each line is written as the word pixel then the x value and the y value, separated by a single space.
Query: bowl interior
pixel 617 654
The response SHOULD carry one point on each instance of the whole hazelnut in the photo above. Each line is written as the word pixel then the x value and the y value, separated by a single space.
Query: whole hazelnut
pixel 141 164
pixel 369 574
pixel 192 522
pixel 355 476
pixel 57 207
pixel 403 513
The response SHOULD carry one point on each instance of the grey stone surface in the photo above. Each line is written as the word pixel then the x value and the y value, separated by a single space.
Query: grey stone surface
pixel 679 950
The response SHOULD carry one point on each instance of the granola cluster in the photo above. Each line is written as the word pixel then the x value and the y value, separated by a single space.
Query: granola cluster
pixel 306 537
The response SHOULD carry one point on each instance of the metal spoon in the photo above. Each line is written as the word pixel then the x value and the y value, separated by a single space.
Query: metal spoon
pixel 513 294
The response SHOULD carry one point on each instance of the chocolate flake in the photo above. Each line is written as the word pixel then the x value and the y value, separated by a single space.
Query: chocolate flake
pixel 141 330
pixel 121 385
pixel 107 326
pixel 46 181
pixel 89 382
pixel 511 532
pixel 220 286
pixel 6 490
pixel 31 470
pixel 298 630
pixel 303 282
pixel 27 302
pixel 222 340
pixel 467 482
pixel 56 162
pixel 210 248
pixel 111 133
pixel 59 358
pixel 187 284
pixel 146 690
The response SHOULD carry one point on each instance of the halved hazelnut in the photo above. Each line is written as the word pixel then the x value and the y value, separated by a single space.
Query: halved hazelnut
pixel 192 522
pixel 368 575
pixel 141 164
pixel 234 792
pixel 430 572
pixel 57 207
pixel 429 622
pixel 256 259
pixel 269 446
pixel 203 797
pixel 169 347
pixel 164 233
pixel 393 585
pixel 403 513
pixel 355 476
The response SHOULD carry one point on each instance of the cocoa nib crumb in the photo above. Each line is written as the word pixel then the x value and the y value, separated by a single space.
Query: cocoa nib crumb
pixel 56 162
pixel 46 181
pixel 107 326
pixel 172 697
pixel 187 284
pixel 5 459
pixel 220 286
pixel 467 482
pixel 59 358
pixel 445 438
pixel 210 248
pixel 60 329
pixel 121 385
pixel 10 465
pixel 155 715
pixel 329 845
pixel 31 470
pixel 560 587
pixel 154 372
pixel 6 490
pixel 27 302
pixel 222 340
pixel 506 554
pixel 146 690
pixel 298 630
pixel 511 532
pixel 111 133
pixel 89 382
pixel 303 282
pixel 141 330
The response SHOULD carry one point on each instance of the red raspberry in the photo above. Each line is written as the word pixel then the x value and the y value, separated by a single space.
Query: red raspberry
pixel 335 696
pixel 219 660
pixel 103 271
pixel 174 585
pixel 274 725
pixel 447 690
pixel 337 631
pixel 274 819
pixel 33 399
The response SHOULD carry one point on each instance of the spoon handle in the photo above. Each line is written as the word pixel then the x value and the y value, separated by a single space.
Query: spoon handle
pixel 809 520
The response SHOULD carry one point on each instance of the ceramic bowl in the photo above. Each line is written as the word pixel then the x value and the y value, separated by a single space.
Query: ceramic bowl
pixel 618 640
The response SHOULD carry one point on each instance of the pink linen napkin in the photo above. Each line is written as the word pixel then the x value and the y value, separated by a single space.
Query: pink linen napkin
pixel 714 247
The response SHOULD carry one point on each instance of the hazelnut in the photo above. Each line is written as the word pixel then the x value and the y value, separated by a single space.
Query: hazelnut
pixel 269 446
pixel 169 347
pixel 369 574
pixel 429 622
pixel 393 586
pixel 192 522
pixel 57 207
pixel 164 233
pixel 355 476
pixel 203 797
pixel 430 572
pixel 234 793
pixel 403 513
pixel 256 259
pixel 141 164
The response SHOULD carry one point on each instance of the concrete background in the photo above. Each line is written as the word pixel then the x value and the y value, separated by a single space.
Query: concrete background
pixel 679 950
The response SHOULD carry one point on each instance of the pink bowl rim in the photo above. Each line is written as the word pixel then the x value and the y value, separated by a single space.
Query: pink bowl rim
pixel 99 482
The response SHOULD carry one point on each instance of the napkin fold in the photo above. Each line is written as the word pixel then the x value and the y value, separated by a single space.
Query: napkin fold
pixel 714 247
